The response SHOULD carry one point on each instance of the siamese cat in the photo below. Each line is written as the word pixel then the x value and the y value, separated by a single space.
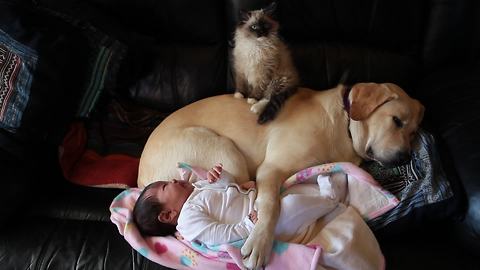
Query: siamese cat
pixel 263 68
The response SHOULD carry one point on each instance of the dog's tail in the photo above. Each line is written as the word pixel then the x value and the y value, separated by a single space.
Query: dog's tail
pixel 274 105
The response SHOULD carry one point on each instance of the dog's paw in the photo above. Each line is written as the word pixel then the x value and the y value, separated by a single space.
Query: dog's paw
pixel 251 101
pixel 238 95
pixel 256 250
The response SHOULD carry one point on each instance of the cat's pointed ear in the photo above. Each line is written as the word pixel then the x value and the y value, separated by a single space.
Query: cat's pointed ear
pixel 270 9
pixel 244 15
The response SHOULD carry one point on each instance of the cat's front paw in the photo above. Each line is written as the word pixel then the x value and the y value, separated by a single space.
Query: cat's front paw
pixel 238 95
pixel 258 107
pixel 251 101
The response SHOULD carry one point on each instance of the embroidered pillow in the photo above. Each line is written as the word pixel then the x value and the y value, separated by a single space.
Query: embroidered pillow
pixel 17 63
pixel 422 186
pixel 57 69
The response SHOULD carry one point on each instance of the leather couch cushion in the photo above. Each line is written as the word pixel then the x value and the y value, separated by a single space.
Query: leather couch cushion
pixel 449 32
pixel 345 21
pixel 181 21
pixel 15 184
pixel 170 76
pixel 429 247
pixel 321 65
pixel 41 243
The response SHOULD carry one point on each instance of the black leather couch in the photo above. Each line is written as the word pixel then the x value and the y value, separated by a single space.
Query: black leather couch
pixel 177 52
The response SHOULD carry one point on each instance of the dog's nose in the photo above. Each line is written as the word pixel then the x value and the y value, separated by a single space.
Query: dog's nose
pixel 403 157
pixel 400 158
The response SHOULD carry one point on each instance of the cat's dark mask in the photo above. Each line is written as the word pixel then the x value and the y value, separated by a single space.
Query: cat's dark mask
pixel 261 28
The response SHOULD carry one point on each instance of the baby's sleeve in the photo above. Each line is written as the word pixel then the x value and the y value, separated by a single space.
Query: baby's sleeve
pixel 194 223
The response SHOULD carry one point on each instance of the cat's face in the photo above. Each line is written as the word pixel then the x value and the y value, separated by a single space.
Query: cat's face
pixel 258 23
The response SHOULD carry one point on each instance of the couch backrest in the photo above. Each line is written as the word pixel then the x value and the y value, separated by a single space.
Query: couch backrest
pixel 178 50
pixel 377 40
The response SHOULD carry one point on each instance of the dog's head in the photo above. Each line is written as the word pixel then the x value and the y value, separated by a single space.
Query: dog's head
pixel 384 122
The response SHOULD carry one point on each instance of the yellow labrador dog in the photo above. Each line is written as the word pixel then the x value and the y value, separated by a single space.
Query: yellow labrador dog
pixel 369 121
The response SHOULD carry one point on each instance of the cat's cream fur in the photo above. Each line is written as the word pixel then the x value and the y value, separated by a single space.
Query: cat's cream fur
pixel 262 64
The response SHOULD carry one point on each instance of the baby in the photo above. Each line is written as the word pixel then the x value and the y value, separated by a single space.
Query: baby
pixel 216 210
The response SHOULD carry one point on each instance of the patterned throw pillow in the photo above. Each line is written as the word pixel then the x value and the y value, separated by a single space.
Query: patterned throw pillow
pixel 17 64
pixel 420 183
pixel 53 69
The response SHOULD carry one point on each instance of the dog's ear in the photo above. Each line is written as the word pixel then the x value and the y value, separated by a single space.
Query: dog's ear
pixel 366 97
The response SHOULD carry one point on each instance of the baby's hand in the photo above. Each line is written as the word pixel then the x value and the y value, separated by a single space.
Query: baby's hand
pixel 248 185
pixel 253 216
pixel 214 173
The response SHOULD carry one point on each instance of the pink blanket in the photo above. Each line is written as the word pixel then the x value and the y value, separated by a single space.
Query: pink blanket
pixel 177 253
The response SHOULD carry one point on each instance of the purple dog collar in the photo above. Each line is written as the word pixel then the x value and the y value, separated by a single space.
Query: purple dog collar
pixel 346 102
pixel 346 106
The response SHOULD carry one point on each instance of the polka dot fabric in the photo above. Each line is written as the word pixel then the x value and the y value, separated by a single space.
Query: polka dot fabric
pixel 177 253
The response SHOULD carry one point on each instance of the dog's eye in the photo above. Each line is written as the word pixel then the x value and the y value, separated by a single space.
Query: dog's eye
pixel 397 122
pixel 254 27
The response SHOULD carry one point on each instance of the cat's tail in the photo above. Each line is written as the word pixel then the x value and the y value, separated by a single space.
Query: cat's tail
pixel 274 105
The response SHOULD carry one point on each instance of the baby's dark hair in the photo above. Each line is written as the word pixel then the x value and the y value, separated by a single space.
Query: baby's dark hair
pixel 146 211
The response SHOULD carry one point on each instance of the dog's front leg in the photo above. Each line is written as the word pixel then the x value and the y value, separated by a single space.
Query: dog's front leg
pixel 258 246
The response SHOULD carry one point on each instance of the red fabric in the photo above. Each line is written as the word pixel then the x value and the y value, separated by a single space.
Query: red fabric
pixel 86 167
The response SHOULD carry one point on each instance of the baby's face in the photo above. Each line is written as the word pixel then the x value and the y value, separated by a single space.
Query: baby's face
pixel 173 194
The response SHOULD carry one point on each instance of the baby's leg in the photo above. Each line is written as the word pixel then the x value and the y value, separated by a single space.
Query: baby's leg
pixel 299 210
pixel 349 243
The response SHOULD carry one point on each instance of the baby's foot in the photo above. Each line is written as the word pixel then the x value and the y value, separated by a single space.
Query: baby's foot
pixel 325 187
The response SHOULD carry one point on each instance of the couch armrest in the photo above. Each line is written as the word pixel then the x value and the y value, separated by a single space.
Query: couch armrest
pixel 464 145
pixel 452 101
